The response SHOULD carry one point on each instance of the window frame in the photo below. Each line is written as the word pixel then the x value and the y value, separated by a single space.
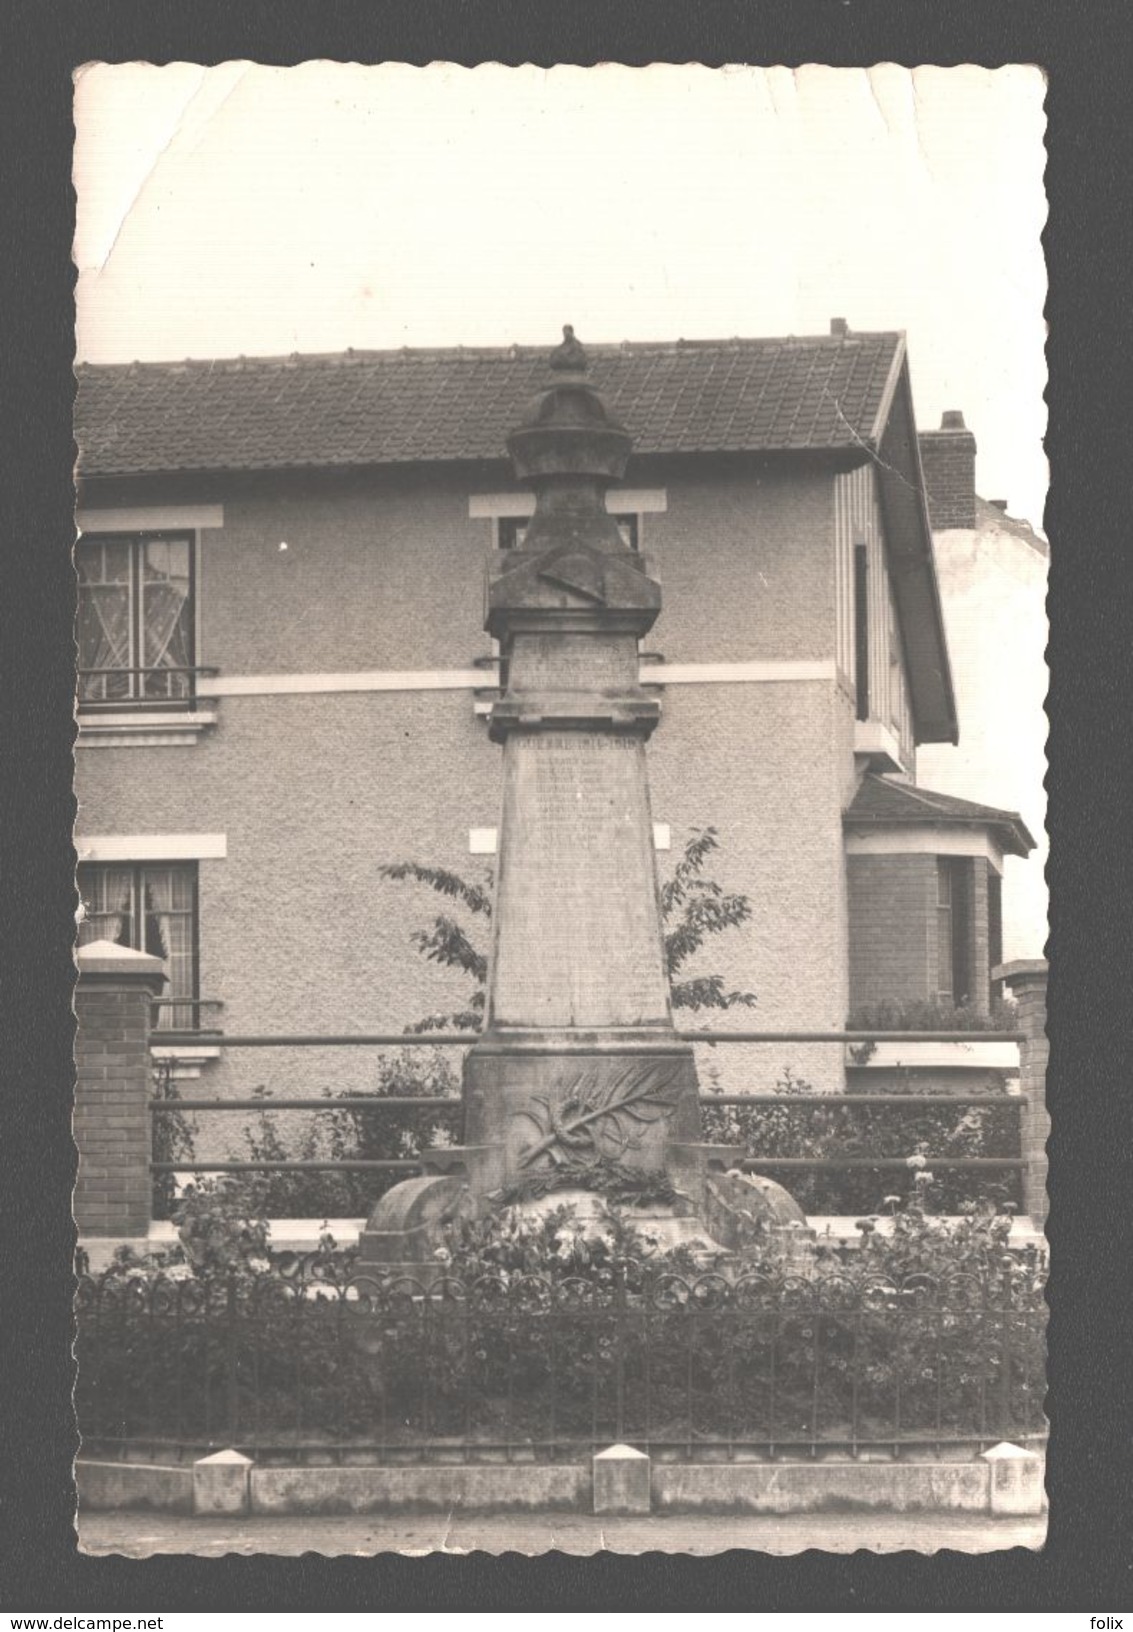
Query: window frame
pixel 136 701
pixel 862 631
pixel 994 931
pixel 954 879
pixel 139 869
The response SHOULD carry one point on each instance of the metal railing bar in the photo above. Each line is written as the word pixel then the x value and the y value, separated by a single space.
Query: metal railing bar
pixel 747 1164
pixel 401 1166
pixel 200 668
pixel 444 1102
pixel 378 1039
pixel 849 1098
pixel 334 1102
pixel 186 1002
pixel 851 1036
pixel 751 1164
pixel 461 1039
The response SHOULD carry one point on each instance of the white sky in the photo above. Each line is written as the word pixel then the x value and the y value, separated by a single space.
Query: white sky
pixel 250 210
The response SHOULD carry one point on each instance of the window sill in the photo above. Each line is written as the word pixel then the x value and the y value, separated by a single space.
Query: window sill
pixel 877 744
pixel 144 728
pixel 186 1059
pixel 982 1055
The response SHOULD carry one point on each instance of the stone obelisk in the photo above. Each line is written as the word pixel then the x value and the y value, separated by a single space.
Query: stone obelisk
pixel 579 1074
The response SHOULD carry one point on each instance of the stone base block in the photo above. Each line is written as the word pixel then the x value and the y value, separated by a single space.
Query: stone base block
pixel 405 1226
pixel 523 1107
pixel 221 1484
pixel 621 1481
pixel 745 1210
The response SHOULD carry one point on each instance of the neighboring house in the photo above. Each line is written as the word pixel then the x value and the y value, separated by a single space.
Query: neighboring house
pixel 992 571
pixel 284 677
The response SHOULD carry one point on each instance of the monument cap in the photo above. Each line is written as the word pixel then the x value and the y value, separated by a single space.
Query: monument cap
pixel 567 429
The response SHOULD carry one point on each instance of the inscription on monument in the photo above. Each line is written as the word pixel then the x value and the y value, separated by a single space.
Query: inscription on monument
pixel 576 923
pixel 573 663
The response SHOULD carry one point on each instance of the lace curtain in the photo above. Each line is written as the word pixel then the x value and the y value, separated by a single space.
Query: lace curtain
pixel 150 909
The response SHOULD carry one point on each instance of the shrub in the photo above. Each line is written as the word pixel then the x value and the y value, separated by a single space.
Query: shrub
pixel 173 1140
pixel 848 1130
pixel 927 1014
pixel 365 1132
pixel 693 907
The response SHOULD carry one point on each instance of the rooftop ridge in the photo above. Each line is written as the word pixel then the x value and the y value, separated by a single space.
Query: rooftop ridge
pixel 505 354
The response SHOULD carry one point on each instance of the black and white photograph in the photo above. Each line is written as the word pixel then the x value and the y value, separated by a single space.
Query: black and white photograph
pixel 561 950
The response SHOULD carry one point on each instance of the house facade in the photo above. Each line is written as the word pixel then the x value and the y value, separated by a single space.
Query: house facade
pixel 992 569
pixel 284 681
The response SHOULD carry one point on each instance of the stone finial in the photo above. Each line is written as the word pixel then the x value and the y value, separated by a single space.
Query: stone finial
pixel 570 355
pixel 567 433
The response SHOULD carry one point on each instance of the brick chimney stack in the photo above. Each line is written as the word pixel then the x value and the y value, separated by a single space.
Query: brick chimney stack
pixel 948 458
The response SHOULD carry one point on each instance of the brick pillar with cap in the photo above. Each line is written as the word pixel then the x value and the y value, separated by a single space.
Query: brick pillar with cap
pixel 115 988
pixel 1026 980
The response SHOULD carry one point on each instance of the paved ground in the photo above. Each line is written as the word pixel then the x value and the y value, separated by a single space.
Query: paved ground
pixel 140 1535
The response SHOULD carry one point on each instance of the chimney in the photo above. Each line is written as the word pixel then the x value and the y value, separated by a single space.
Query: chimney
pixel 948 458
pixel 839 326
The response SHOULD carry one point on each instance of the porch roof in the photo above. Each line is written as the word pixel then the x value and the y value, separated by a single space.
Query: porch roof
pixel 881 802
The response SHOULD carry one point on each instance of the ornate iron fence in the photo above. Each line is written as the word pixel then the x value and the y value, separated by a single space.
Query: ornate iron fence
pixel 320 1367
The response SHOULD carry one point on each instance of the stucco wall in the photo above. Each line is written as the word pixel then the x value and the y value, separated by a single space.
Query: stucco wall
pixel 993 588
pixel 384 570
pixel 746 563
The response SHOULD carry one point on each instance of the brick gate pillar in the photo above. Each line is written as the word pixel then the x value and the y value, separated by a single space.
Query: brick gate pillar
pixel 1026 980
pixel 114 1083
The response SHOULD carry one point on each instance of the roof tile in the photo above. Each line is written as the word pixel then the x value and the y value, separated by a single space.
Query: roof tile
pixel 373 408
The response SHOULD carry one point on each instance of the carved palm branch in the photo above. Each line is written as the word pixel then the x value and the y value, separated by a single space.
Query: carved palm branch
pixel 618 1109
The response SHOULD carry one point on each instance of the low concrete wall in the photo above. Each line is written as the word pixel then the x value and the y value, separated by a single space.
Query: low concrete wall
pixel 785 1487
pixel 120 1485
pixel 523 1488
pixel 1006 1481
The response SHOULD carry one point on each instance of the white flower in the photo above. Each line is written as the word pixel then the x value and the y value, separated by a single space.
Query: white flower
pixel 894 1201
pixel 915 1161
pixel 443 1255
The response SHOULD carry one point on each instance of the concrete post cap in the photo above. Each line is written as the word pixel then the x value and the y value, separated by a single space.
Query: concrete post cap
pixel 1006 1452
pixel 227 1458
pixel 1021 969
pixel 620 1453
pixel 108 958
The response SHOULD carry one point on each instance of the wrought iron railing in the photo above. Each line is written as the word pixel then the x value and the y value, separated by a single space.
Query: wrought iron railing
pixel 117 688
pixel 195 1018
pixel 529 1367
